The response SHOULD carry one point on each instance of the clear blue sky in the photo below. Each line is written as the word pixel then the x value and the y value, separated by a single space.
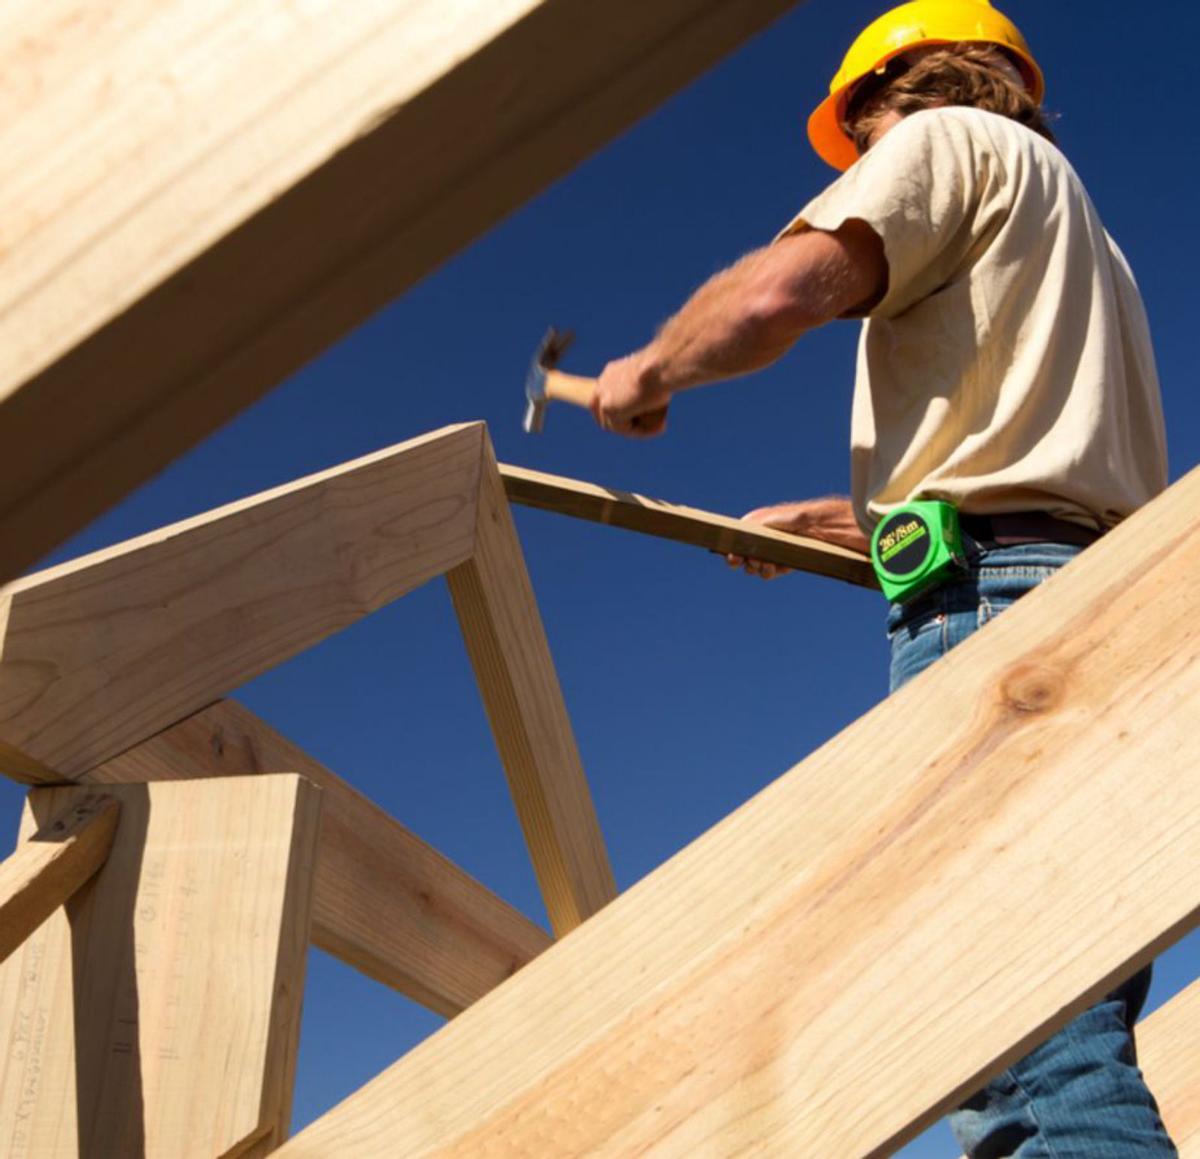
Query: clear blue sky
pixel 690 686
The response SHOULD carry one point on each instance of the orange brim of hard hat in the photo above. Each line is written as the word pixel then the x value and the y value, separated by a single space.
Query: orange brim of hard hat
pixel 827 136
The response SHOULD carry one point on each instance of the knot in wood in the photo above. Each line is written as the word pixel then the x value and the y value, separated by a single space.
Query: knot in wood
pixel 1033 688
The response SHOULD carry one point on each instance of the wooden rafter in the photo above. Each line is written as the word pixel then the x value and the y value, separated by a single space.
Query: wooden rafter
pixel 950 880
pixel 508 649
pixel 180 617
pixel 199 198
pixel 683 524
pixel 383 900
pixel 158 1013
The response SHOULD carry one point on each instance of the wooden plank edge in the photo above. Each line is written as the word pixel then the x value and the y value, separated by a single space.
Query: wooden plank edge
pixel 48 868
pixel 718 533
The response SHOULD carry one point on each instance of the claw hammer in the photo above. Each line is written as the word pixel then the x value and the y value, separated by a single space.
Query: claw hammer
pixel 545 383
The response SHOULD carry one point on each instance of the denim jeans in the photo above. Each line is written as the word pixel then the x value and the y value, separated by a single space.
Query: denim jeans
pixel 1080 1094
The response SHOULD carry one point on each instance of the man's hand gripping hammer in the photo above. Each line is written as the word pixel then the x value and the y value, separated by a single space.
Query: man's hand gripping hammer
pixel 545 383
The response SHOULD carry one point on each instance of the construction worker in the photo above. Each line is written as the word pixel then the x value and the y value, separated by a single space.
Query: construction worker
pixel 1004 366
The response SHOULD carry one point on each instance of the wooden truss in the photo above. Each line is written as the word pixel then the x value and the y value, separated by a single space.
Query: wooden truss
pixel 768 988
pixel 890 923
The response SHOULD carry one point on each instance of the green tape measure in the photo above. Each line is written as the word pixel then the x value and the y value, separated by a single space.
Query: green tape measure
pixel 916 547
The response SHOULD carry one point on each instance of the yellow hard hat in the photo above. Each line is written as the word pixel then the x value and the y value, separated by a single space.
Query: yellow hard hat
pixel 911 25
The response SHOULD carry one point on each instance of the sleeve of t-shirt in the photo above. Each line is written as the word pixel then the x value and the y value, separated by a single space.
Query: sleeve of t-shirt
pixel 916 189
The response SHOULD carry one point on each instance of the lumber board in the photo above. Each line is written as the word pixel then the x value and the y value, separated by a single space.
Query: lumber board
pixel 873 936
pixel 384 901
pixel 689 525
pixel 109 649
pixel 199 198
pixel 158 1013
pixel 1168 1046
pixel 51 865
pixel 507 644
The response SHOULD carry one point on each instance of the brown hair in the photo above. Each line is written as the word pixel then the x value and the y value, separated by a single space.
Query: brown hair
pixel 956 75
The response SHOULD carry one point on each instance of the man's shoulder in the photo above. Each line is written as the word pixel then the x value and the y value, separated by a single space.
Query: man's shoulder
pixel 981 146
pixel 963 123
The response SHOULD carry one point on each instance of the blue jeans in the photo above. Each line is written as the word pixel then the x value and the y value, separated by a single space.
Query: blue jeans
pixel 1080 1094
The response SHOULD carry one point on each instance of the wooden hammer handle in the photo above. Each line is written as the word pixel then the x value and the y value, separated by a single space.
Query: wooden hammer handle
pixel 570 388
pixel 575 389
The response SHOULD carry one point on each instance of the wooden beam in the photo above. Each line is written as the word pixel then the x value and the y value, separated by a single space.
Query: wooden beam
pixel 384 901
pixel 1168 1044
pixel 158 1013
pixel 508 649
pixel 198 201
pixel 683 524
pixel 105 651
pixel 51 865
pixel 869 939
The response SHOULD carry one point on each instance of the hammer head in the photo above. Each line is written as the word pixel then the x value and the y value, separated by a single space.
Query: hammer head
pixel 546 357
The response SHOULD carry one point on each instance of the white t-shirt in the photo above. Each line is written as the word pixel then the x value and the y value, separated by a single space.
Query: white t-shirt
pixel 1008 366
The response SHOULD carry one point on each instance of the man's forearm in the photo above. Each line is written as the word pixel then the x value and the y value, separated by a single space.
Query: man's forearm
pixel 723 330
pixel 830 519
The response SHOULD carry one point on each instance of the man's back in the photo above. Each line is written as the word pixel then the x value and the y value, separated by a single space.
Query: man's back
pixel 1008 365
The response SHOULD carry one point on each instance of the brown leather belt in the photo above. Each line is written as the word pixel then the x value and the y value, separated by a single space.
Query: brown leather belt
pixel 1026 527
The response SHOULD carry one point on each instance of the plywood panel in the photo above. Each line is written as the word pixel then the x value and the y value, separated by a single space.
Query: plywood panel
pixel 511 656
pixel 384 901
pixel 949 880
pixel 158 1013
pixel 684 524
pixel 201 195
pixel 107 650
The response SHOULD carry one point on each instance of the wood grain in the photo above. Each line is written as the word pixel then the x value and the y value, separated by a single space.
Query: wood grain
pixel 384 901
pixel 1168 1044
pixel 107 650
pixel 158 1013
pixel 511 657
pixel 199 197
pixel 684 524
pixel 51 865
pixel 874 935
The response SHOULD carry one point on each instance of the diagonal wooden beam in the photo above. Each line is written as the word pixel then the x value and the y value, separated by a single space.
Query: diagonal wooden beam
pixel 52 864
pixel 866 941
pixel 511 657
pixel 683 524
pixel 105 651
pixel 199 199
pixel 383 900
